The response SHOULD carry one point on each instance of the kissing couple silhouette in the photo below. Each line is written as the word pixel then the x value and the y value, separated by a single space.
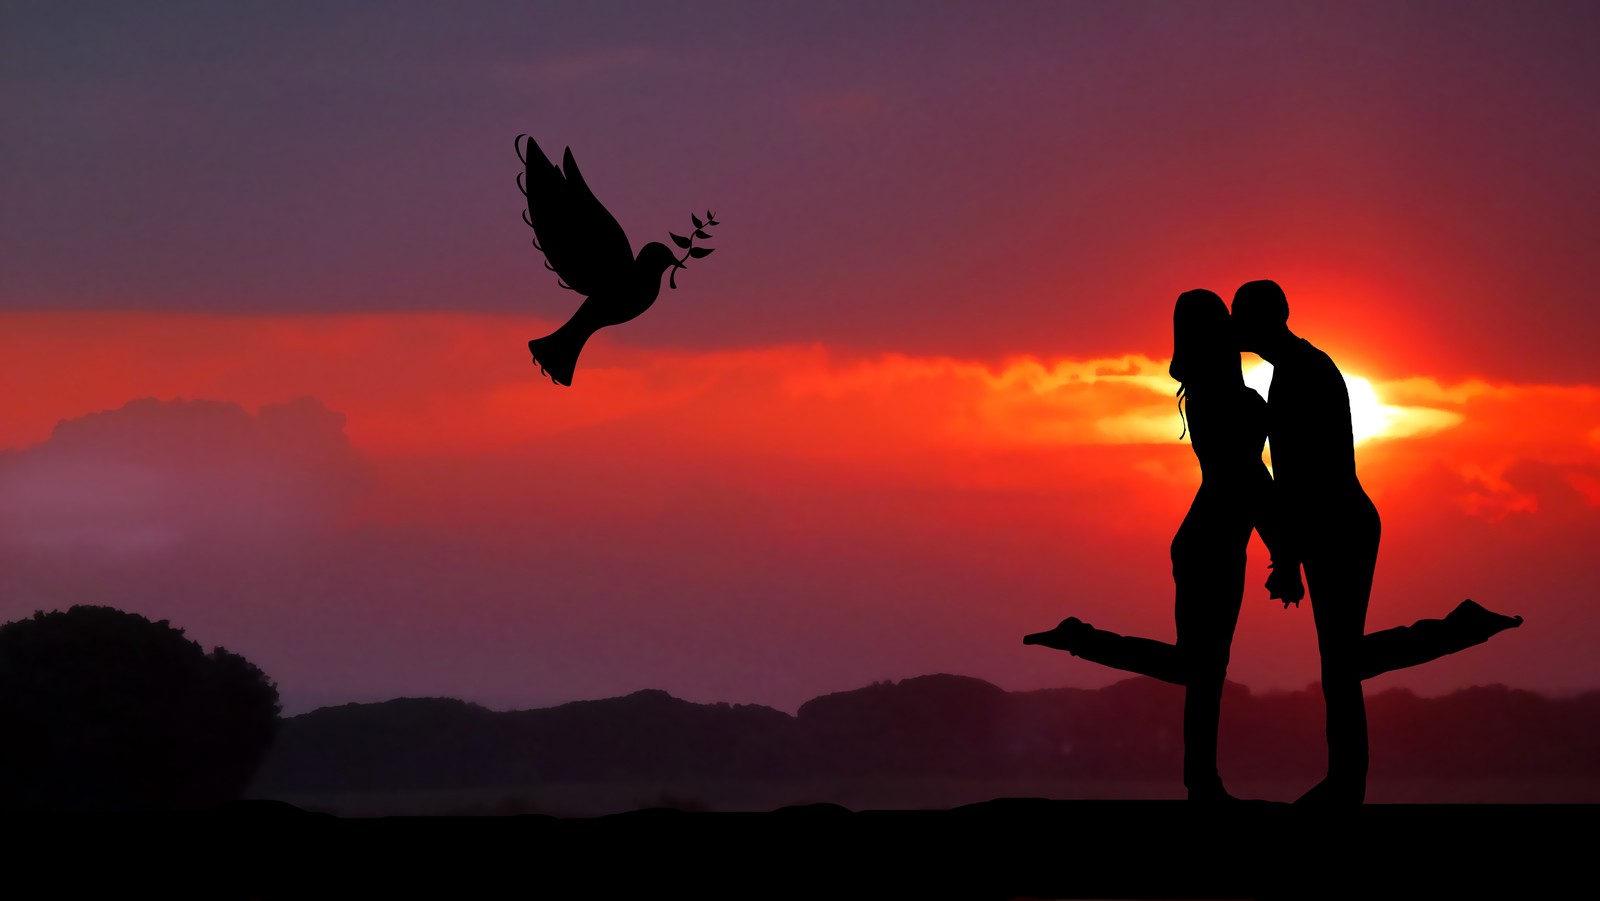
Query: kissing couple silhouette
pixel 1310 512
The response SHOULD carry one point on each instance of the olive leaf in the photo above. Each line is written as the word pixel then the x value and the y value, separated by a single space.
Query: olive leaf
pixel 700 233
pixel 698 252
pixel 696 220
pixel 679 240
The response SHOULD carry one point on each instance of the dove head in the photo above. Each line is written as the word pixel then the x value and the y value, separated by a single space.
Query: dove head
pixel 655 258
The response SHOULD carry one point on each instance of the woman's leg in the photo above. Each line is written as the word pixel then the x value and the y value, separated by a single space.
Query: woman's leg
pixel 1209 595
pixel 1144 656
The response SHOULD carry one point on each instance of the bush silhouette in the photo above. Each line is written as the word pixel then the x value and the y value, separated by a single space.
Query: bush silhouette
pixel 106 710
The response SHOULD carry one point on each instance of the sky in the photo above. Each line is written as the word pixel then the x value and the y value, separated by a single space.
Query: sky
pixel 265 294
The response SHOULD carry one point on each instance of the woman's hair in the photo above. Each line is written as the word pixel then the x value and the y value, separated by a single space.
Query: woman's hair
pixel 1203 345
pixel 1204 349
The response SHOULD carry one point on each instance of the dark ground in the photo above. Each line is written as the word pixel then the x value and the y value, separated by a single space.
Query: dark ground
pixel 1003 849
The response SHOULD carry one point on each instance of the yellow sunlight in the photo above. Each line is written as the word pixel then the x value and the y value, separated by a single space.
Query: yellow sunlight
pixel 1369 417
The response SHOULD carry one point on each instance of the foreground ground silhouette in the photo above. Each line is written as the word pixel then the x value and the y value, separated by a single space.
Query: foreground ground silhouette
pixel 995 851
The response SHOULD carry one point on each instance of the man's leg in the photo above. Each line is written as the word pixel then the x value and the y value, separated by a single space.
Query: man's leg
pixel 1429 639
pixel 1339 581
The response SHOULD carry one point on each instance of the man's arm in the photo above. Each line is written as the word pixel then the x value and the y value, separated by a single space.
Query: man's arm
pixel 1270 522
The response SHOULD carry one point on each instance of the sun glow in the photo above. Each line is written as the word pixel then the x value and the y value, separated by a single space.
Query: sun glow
pixel 1369 417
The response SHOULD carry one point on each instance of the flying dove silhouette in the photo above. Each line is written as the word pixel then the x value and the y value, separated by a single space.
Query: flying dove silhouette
pixel 583 244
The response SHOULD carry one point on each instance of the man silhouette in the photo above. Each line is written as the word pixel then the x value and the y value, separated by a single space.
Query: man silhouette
pixel 1330 525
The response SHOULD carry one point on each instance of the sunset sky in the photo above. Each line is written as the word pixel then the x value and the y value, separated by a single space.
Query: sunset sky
pixel 265 295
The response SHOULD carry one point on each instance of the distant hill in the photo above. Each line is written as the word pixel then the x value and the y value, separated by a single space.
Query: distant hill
pixel 938 727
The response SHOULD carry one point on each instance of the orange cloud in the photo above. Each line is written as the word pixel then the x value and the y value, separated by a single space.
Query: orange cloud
pixel 1501 430
pixel 444 384
pixel 1026 402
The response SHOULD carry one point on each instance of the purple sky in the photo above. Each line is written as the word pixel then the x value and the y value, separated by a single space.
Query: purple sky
pixel 883 170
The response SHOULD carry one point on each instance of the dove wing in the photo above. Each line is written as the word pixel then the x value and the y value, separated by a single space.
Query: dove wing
pixel 582 242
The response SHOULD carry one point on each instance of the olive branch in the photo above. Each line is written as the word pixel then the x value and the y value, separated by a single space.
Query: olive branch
pixel 688 245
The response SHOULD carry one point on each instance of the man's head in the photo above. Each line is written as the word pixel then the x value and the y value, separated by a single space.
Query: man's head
pixel 1260 314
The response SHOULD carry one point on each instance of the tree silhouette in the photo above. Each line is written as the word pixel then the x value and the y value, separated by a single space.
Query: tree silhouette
pixel 105 710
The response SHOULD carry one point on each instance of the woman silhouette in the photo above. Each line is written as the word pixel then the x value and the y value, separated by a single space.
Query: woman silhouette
pixel 1226 423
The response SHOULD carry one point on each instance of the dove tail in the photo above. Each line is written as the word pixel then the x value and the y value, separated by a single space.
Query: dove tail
pixel 557 353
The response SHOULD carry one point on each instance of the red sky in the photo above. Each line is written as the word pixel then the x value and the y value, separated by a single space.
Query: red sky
pixel 264 300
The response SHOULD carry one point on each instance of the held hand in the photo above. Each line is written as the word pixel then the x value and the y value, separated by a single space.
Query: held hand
pixel 1284 584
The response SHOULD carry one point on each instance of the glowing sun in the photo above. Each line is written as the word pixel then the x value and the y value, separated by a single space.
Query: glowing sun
pixel 1369 417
